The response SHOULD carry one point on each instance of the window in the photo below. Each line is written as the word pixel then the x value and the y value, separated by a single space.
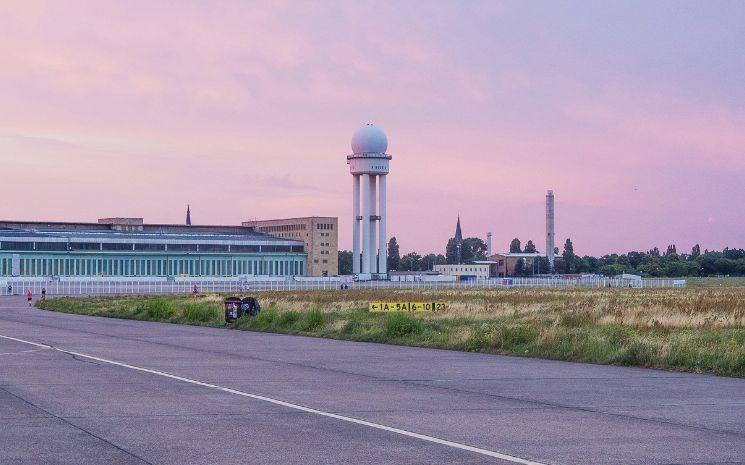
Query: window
pixel 276 248
pixel 12 245
pixel 182 247
pixel 116 246
pixel 244 248
pixel 150 247
pixel 51 246
pixel 93 246
pixel 213 247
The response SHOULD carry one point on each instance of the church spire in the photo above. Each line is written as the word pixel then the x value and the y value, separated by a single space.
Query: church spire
pixel 188 215
pixel 458 243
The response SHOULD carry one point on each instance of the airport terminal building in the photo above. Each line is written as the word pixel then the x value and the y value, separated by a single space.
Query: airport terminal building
pixel 121 247
pixel 319 233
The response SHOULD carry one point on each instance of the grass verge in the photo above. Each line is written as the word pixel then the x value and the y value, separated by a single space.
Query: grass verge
pixel 691 329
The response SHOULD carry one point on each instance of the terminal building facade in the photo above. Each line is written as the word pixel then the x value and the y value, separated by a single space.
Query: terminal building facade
pixel 121 247
pixel 320 235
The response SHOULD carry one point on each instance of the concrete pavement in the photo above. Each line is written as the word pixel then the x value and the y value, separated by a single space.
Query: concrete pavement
pixel 58 408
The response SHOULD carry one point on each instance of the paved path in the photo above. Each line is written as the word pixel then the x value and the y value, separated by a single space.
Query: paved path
pixel 65 402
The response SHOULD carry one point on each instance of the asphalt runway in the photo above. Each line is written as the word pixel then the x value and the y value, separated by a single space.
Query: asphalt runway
pixel 86 390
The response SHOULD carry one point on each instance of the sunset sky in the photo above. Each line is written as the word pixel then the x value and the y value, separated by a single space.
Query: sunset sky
pixel 633 112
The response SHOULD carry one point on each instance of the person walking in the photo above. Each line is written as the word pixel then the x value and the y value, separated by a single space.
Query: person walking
pixel 43 294
pixel 29 296
pixel 10 289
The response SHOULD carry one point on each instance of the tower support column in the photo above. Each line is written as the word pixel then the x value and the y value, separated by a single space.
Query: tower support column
pixel 356 224
pixel 365 182
pixel 373 237
pixel 382 210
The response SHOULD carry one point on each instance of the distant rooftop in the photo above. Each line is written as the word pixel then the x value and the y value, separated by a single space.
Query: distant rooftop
pixel 519 254
pixel 131 229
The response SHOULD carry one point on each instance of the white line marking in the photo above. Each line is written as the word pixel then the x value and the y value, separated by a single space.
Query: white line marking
pixel 302 408
pixel 24 351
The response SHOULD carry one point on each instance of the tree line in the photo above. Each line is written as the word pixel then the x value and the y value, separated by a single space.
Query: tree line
pixel 651 263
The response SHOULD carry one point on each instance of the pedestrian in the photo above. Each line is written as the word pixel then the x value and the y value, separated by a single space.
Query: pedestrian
pixel 194 291
pixel 29 296
pixel 43 294
pixel 10 289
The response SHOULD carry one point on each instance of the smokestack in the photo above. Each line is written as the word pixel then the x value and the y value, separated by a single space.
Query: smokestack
pixel 488 245
pixel 550 230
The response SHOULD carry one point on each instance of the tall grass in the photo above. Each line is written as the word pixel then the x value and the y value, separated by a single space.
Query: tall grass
pixel 691 329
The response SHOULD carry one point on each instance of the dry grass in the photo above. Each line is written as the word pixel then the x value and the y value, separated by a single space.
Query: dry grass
pixel 654 308
pixel 692 329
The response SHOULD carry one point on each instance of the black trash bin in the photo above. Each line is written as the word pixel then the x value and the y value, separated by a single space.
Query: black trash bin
pixel 232 309
pixel 250 306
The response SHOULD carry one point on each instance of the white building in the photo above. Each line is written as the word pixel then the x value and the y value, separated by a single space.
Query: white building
pixel 472 271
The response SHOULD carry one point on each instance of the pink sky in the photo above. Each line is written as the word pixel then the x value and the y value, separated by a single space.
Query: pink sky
pixel 634 114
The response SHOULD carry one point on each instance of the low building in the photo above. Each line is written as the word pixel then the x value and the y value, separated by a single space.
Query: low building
pixel 320 236
pixel 115 247
pixel 506 262
pixel 464 272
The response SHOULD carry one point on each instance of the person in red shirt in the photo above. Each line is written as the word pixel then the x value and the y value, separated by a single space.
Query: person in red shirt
pixel 29 296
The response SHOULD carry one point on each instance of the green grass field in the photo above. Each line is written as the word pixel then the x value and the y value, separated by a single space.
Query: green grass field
pixel 698 329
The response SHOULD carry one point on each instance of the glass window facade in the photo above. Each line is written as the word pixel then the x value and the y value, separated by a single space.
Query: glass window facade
pixel 115 259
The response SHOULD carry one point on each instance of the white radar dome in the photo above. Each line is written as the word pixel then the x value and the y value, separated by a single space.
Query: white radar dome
pixel 369 139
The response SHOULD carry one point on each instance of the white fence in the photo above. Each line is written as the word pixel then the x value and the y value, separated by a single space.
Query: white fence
pixel 155 287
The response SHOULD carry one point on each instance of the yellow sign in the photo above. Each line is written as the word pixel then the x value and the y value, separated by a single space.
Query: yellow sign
pixel 406 306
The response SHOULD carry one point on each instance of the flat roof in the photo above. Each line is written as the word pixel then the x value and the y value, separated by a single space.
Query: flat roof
pixel 481 262
pixel 141 236
pixel 520 254
pixel 294 219
pixel 111 226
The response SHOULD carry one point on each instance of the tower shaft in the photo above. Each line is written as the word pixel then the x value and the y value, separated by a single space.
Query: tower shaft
pixel 383 243
pixel 373 249
pixel 356 224
pixel 365 181
pixel 550 230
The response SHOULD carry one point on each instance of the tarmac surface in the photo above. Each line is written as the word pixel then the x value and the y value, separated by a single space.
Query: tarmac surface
pixel 97 390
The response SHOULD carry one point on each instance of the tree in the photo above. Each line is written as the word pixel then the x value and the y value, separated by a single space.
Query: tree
pixel 451 252
pixel 515 246
pixel 472 249
pixel 411 262
pixel 671 250
pixel 695 251
pixel 345 262
pixel 430 260
pixel 590 264
pixel 733 254
pixel 541 265
pixel 568 256
pixel 475 248
pixel 394 257
pixel 519 267
pixel 636 259
pixel 529 247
